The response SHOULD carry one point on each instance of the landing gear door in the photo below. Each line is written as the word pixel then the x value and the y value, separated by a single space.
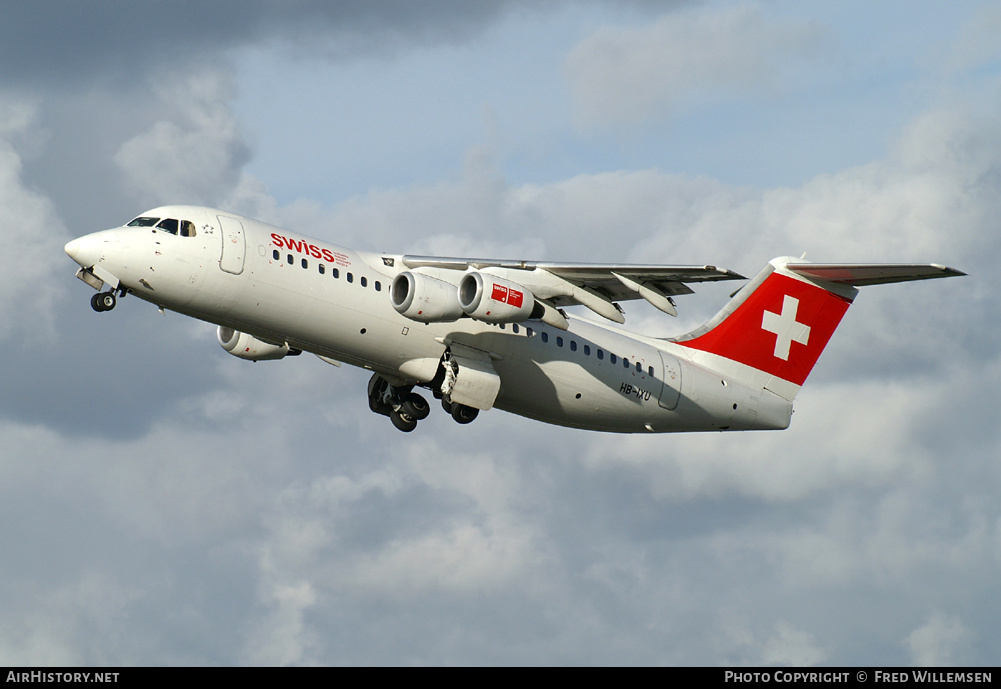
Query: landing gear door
pixel 470 378
pixel 234 245
pixel 671 389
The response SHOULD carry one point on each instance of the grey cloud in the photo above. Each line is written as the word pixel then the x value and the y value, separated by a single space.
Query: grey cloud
pixel 67 43
pixel 63 41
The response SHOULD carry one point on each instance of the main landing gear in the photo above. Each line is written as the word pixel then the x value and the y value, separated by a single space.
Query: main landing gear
pixel 405 408
pixel 460 412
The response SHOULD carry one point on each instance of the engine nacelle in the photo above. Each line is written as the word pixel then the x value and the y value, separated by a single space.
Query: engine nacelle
pixel 424 299
pixel 494 300
pixel 249 347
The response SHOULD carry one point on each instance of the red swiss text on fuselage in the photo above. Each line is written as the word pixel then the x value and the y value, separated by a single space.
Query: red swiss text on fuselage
pixel 303 247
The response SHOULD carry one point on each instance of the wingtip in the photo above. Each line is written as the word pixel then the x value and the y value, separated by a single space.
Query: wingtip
pixel 947 271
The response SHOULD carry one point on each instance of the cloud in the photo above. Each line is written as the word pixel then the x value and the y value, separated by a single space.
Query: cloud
pixel 30 227
pixel 283 637
pixel 941 641
pixel 630 75
pixel 107 41
pixel 195 154
pixel 792 647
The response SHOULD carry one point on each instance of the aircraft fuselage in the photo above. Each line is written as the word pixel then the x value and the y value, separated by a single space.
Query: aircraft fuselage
pixel 313 296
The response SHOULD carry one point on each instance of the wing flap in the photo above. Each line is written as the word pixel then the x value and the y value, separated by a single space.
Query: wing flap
pixel 650 293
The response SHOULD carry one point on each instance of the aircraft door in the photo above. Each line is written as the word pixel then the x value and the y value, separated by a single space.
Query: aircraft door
pixel 670 390
pixel 234 245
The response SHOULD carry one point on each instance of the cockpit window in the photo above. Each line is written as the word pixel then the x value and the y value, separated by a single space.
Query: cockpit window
pixel 168 225
pixel 143 222
pixel 187 228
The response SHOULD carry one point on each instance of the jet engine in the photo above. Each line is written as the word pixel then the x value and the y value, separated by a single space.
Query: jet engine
pixel 494 300
pixel 425 299
pixel 249 347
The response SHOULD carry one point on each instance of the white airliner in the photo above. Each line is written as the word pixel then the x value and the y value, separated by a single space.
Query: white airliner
pixel 483 333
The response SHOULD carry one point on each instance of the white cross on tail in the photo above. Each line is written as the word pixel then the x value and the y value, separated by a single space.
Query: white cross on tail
pixel 786 328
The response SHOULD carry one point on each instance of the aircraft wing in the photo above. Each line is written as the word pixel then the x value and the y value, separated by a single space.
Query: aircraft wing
pixel 595 286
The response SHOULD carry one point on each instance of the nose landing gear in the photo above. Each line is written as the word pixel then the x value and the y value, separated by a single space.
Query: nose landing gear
pixel 103 301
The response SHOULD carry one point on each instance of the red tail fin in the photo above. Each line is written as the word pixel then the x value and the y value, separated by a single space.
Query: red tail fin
pixel 780 326
pixel 781 321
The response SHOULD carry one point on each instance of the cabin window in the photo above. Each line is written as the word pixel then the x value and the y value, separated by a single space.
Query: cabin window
pixel 378 288
pixel 515 328
pixel 528 332
pixel 625 363
pixel 305 263
pixel 573 345
pixel 613 358
pixel 322 268
pixel 650 371
pixel 276 255
pixel 336 273
pixel 601 355
pixel 291 259
pixel 364 281
pixel 168 225
pixel 545 336
pixel 587 350
pixel 639 367
pixel 559 341
pixel 144 222
pixel 351 278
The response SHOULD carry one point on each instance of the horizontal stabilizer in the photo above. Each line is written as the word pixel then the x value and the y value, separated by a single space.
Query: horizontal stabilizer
pixel 861 274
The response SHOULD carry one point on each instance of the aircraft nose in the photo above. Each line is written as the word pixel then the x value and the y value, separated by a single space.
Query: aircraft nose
pixel 87 250
pixel 76 249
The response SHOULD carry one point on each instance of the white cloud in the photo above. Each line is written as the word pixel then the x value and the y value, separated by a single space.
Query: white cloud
pixel 194 154
pixel 792 647
pixel 626 76
pixel 32 232
pixel 941 641
pixel 64 625
pixel 868 432
pixel 283 636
